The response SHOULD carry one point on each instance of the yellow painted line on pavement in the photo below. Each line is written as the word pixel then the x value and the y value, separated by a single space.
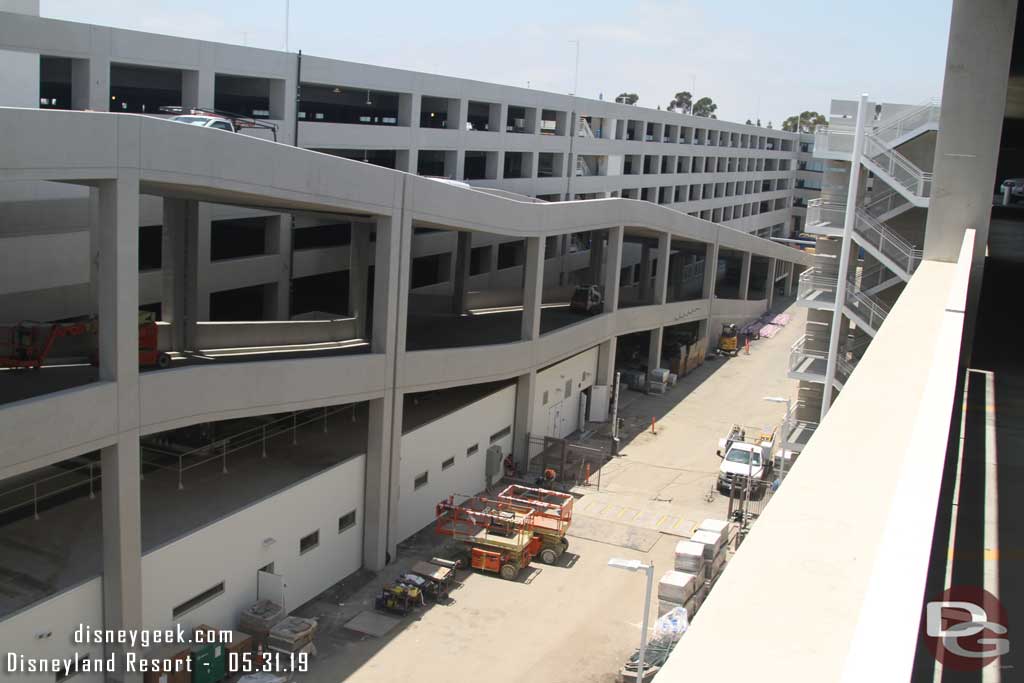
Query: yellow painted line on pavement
pixel 662 520
pixel 678 522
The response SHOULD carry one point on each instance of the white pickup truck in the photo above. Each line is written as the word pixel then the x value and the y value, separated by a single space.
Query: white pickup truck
pixel 744 456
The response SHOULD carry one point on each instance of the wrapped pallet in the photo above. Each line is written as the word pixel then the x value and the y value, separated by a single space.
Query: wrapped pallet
pixel 259 618
pixel 716 526
pixel 666 606
pixel 677 587
pixel 716 566
pixel 711 542
pixel 658 375
pixel 690 558
pixel 292 634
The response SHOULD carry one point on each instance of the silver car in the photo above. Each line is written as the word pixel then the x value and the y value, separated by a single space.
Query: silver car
pixel 1015 185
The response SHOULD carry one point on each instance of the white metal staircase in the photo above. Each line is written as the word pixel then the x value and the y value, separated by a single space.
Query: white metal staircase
pixel 888 205
pixel 890 248
pixel 816 289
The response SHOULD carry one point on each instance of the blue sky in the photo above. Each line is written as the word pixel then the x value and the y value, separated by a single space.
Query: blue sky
pixel 754 58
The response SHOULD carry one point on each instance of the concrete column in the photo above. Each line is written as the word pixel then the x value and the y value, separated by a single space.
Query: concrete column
pixel 608 129
pixel 457 109
pixel 675 275
pixel 606 362
pixel 497 116
pixel 460 164
pixel 90 84
pixel 612 270
pixel 280 226
pixel 710 270
pixel 526 387
pixel 770 277
pixel 460 274
pixel 645 272
pixel 495 165
pixel 533 288
pixel 118 293
pixel 661 276
pixel 981 37
pixel 654 349
pixel 745 276
pixel 596 256
pixel 179 271
pixel 383 454
pixel 791 279
pixel 358 266
pixel 198 89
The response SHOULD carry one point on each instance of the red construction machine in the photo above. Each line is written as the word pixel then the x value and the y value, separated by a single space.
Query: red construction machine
pixel 553 514
pixel 497 536
pixel 30 343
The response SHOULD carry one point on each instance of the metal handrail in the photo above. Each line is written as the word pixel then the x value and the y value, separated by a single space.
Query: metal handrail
pixel 929 109
pixel 790 423
pixel 884 203
pixel 889 243
pixel 798 351
pixel 898 167
pixel 256 435
pixel 865 303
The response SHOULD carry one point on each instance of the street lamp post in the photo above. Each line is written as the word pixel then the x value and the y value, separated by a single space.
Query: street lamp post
pixel 635 566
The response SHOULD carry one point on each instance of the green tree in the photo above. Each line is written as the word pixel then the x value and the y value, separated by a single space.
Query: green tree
pixel 705 107
pixel 808 121
pixel 627 98
pixel 749 123
pixel 682 102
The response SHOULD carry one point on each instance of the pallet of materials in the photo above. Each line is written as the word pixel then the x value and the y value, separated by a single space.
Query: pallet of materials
pixel 259 618
pixel 677 587
pixel 292 634
pixel 690 558
pixel 717 526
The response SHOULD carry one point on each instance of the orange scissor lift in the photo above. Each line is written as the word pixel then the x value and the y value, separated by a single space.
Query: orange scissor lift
pixel 498 536
pixel 553 515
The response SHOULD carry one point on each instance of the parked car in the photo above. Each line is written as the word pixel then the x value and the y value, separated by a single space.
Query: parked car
pixel 1016 187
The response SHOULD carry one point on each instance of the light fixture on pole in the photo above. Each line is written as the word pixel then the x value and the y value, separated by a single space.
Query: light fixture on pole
pixel 635 566
pixel 789 410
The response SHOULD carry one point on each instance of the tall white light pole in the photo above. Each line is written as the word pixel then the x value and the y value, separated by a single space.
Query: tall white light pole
pixel 844 254
pixel 635 566
pixel 789 409
pixel 287 18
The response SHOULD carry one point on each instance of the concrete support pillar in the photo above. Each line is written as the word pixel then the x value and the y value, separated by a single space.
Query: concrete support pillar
pixel 460 274
pixel 606 362
pixel 495 165
pixel 280 227
pixel 654 349
pixel 383 454
pixel 770 284
pixel 533 288
pixel 981 43
pixel 90 84
pixel 661 275
pixel 745 276
pixel 613 269
pixel 710 270
pixel 198 90
pixel 675 275
pixel 118 293
pixel 358 267
pixel 179 273
pixel 456 120
pixel 526 388
pixel 791 280
pixel 645 272
pixel 596 256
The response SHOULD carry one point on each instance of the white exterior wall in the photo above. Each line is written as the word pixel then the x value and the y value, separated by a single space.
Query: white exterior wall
pixel 232 550
pixel 424 449
pixel 559 417
pixel 25 633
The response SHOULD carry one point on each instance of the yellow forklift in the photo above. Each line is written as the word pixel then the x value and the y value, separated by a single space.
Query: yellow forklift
pixel 728 342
